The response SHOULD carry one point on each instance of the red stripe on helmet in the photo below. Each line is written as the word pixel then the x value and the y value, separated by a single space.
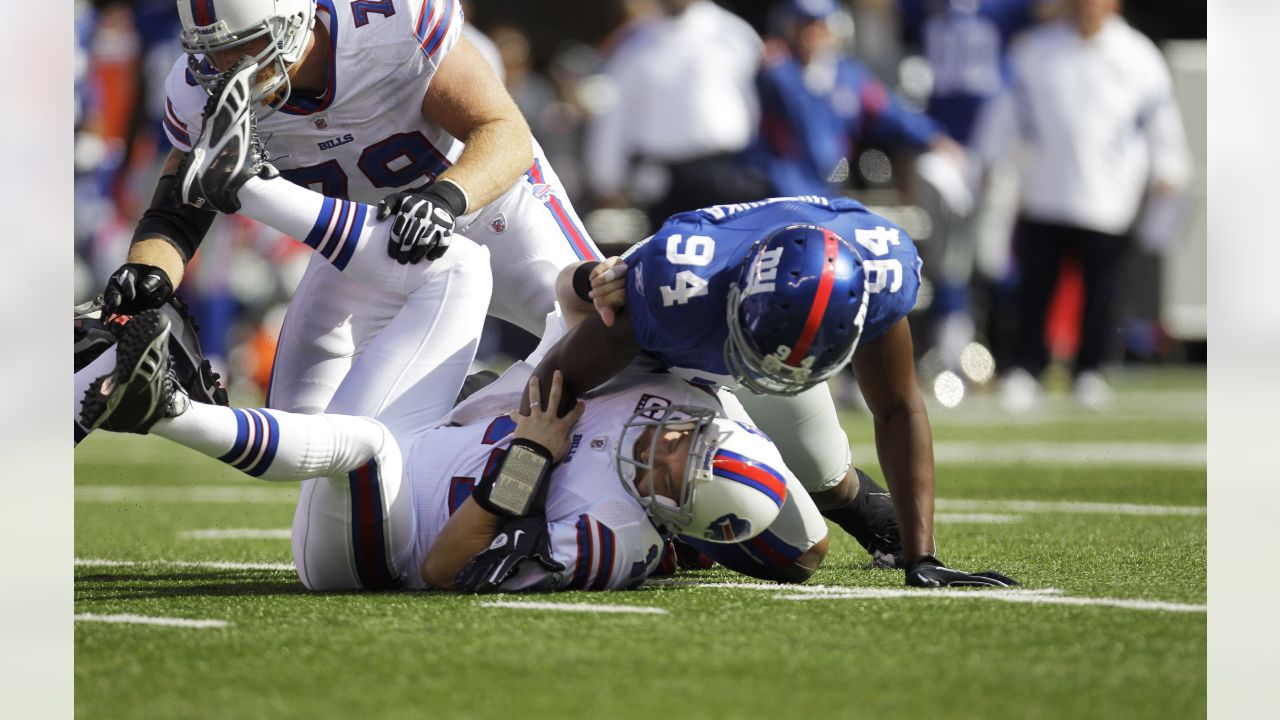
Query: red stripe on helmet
pixel 753 472
pixel 820 299
pixel 202 12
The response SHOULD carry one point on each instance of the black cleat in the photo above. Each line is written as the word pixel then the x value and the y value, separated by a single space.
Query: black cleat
pixel 228 152
pixel 187 363
pixel 140 390
pixel 870 519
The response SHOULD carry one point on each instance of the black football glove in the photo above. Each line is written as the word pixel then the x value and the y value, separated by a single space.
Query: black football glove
pixel 424 222
pixel 136 287
pixel 518 541
pixel 928 571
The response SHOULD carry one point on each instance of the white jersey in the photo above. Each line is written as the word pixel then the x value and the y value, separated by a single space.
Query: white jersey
pixel 365 136
pixel 598 531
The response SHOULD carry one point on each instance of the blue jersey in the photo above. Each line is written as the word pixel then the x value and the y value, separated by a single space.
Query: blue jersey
pixel 805 131
pixel 966 43
pixel 678 280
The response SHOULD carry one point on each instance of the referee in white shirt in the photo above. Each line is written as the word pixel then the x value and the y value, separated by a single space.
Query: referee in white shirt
pixel 1092 103
pixel 684 107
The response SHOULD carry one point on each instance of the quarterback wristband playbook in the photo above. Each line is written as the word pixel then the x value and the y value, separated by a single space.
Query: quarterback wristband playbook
pixel 582 280
pixel 515 486
pixel 169 219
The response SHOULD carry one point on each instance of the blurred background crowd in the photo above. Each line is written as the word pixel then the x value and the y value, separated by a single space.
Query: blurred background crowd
pixel 1045 156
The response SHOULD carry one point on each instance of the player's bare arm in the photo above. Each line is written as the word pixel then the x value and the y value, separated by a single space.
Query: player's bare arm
pixel 885 369
pixel 164 240
pixel 591 352
pixel 467 99
pixel 473 527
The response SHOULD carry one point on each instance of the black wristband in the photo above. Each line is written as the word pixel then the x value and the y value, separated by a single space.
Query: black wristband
pixel 582 280
pixel 169 219
pixel 516 486
pixel 448 194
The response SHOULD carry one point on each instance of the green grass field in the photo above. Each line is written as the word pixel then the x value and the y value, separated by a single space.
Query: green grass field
pixel 1101 517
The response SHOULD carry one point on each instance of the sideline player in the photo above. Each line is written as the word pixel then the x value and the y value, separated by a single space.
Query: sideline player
pixel 371 101
pixel 773 297
pixel 479 502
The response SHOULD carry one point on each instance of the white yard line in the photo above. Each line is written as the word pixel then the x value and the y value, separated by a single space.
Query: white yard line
pixel 1065 506
pixel 1037 596
pixel 197 564
pixel 236 534
pixel 575 607
pixel 1012 596
pixel 151 620
pixel 980 518
pixel 202 494
pixel 1183 455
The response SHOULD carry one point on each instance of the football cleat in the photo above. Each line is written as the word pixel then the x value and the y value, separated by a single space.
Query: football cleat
pixel 875 526
pixel 187 363
pixel 140 390
pixel 93 333
pixel 228 152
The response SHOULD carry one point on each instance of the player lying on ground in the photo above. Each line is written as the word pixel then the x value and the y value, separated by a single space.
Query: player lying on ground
pixel 375 101
pixel 773 297
pixel 483 502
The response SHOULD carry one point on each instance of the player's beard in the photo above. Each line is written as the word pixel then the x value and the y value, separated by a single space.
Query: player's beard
pixel 264 78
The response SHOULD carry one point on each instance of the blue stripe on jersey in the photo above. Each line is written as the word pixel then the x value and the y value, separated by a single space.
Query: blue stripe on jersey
pixel 178 133
pixel 606 558
pixel 432 36
pixel 583 569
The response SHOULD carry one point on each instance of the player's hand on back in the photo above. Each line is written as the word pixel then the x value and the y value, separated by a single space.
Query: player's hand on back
pixel 424 221
pixel 136 287
pixel 609 288
pixel 928 571
pixel 542 425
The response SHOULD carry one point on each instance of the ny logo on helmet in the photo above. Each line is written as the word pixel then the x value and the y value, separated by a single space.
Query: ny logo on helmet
pixel 762 280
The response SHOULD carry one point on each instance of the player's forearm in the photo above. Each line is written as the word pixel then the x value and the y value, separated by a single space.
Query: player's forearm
pixel 466 534
pixel 497 153
pixel 587 356
pixel 904 443
pixel 159 253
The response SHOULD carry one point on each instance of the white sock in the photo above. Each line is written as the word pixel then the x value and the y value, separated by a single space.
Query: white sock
pixel 277 445
pixel 333 227
pixel 101 365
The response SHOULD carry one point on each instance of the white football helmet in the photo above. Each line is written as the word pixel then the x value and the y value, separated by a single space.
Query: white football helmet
pixel 728 495
pixel 211 25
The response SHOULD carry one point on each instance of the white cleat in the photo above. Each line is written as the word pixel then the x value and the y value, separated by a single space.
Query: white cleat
pixel 1092 392
pixel 1019 392
pixel 228 152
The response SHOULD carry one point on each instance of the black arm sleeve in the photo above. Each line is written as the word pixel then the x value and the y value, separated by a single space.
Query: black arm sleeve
pixel 178 224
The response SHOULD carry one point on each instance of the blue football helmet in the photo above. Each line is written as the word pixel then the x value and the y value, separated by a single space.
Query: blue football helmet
pixel 796 311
